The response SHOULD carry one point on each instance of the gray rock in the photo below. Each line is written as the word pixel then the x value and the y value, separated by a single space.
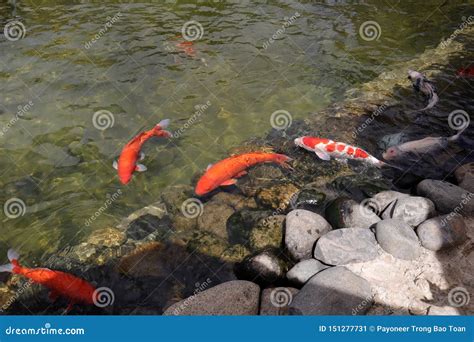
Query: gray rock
pixel 334 291
pixel 443 311
pixel 346 245
pixel 304 270
pixel 237 297
pixel 398 238
pixel 412 210
pixel 442 232
pixel 262 268
pixel 381 201
pixel 303 228
pixel 465 176
pixel 447 197
pixel 276 301
pixel 344 212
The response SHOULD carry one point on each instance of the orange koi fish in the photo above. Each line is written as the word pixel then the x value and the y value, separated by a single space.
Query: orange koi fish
pixel 61 284
pixel 325 149
pixel 226 171
pixel 127 162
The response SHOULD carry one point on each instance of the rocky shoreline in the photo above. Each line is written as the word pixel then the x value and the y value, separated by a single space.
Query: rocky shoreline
pixel 325 239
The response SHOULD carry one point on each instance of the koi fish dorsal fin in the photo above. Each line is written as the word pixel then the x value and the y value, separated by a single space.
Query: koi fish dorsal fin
pixel 229 182
pixel 12 254
pixel 115 165
pixel 322 155
pixel 140 168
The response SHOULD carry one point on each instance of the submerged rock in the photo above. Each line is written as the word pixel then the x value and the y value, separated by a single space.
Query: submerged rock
pixel 240 224
pixel 261 176
pixel 214 218
pixel 150 227
pixel 268 233
pixel 238 297
pixel 304 270
pixel 411 210
pixel 465 176
pixel 447 197
pixel 279 196
pixel 107 237
pixel 346 245
pixel 334 291
pixel 344 212
pixel 276 301
pixel 303 228
pixel 442 232
pixel 310 199
pixel 263 268
pixel 398 238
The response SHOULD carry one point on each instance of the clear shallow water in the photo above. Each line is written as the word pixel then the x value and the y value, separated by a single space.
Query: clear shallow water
pixel 60 165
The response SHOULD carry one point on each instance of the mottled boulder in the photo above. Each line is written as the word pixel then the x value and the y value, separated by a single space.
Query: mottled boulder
pixel 346 245
pixel 268 233
pixel 150 227
pixel 442 232
pixel 344 212
pixel 465 176
pixel 411 210
pixel 240 224
pixel 263 268
pixel 447 197
pixel 398 238
pixel 107 237
pixel 279 196
pixel 334 291
pixel 276 301
pixel 236 297
pixel 214 218
pixel 303 228
pixel 304 270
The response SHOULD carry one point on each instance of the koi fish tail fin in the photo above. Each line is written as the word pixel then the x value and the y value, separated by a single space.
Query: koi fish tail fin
pixel 163 124
pixel 13 257
pixel 283 161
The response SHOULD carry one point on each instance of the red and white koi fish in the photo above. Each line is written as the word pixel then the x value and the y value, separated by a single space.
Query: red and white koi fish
pixel 325 149
pixel 127 162
pixel 61 284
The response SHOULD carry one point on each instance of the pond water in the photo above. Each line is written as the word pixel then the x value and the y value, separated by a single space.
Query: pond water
pixel 130 64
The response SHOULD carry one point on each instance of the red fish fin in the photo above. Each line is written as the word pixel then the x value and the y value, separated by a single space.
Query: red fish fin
pixel 240 174
pixel 53 295
pixel 229 182
pixel 323 155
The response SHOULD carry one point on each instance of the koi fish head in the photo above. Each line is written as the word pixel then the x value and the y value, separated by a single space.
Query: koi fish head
pixel 391 153
pixel 205 185
pixel 414 75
